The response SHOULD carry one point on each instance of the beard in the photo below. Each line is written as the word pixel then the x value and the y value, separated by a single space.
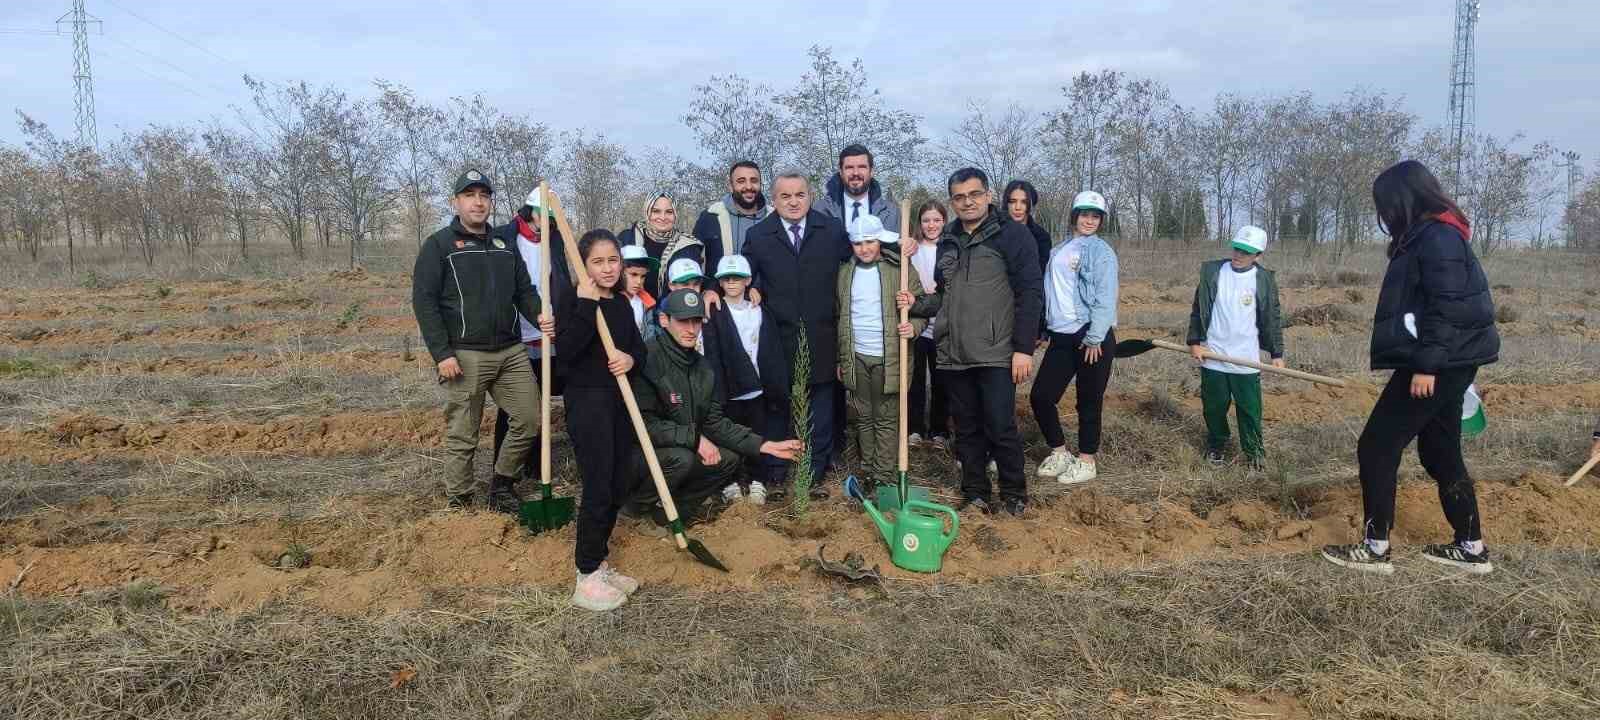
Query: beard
pixel 856 189
pixel 747 200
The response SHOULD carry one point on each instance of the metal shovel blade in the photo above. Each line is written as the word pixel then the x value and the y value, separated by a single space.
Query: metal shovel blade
pixel 1133 348
pixel 699 551
pixel 546 513
pixel 889 496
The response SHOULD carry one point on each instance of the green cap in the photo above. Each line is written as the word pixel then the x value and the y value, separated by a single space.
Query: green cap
pixel 470 178
pixel 684 304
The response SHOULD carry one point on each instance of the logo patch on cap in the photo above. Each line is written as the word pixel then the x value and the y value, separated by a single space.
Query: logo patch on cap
pixel 691 300
pixel 473 175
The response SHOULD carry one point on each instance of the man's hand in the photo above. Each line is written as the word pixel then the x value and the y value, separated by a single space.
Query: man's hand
pixel 708 452
pixel 753 295
pixel 449 369
pixel 1091 354
pixel 904 299
pixel 1198 352
pixel 547 324
pixel 587 289
pixel 712 299
pixel 784 450
pixel 1421 386
pixel 619 363
pixel 1021 367
pixel 904 329
pixel 1277 362
pixel 838 373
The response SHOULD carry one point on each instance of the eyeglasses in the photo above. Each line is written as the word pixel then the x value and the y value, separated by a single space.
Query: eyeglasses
pixel 976 196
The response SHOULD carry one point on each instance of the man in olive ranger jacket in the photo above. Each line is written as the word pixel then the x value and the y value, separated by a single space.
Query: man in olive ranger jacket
pixel 700 450
pixel 466 290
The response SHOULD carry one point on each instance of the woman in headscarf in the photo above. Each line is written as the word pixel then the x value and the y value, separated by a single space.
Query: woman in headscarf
pixel 659 235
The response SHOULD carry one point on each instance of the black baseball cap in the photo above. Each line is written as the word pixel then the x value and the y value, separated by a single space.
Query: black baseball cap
pixel 470 178
pixel 684 304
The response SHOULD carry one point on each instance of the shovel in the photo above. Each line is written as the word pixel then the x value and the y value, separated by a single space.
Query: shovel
pixel 1595 460
pixel 896 497
pixel 547 512
pixel 695 547
pixel 1132 348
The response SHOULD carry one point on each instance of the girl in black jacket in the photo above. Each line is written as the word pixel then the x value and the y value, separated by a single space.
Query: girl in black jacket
pixel 1434 327
pixel 603 438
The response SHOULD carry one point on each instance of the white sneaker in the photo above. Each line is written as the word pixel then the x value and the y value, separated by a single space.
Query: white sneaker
pixel 594 593
pixel 758 493
pixel 914 439
pixel 1058 462
pixel 1078 472
pixel 617 580
pixel 994 469
pixel 731 493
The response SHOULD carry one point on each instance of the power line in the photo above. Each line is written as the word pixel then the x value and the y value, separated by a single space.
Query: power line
pixel 181 38
pixel 101 53
pixel 26 31
pixel 170 64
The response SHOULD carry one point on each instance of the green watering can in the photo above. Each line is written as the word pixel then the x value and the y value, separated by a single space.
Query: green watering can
pixel 917 540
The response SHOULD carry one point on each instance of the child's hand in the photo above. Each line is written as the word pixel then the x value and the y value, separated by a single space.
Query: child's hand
pixel 1198 352
pixel 903 300
pixel 1277 362
pixel 905 329
pixel 1091 354
pixel 587 289
pixel 547 325
pixel 619 363
pixel 712 300
pixel 753 295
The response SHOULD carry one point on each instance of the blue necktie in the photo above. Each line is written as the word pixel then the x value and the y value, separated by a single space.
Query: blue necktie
pixel 794 232
pixel 856 213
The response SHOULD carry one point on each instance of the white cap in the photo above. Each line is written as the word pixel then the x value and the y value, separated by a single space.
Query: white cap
pixel 733 266
pixel 1250 239
pixel 1090 200
pixel 534 201
pixel 869 227
pixel 683 270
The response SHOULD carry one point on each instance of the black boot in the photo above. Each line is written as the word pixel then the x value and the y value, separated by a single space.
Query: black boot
pixel 503 496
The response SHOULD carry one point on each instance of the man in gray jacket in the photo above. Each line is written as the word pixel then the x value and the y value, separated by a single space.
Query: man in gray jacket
pixel 987 325
pixel 723 224
pixel 853 191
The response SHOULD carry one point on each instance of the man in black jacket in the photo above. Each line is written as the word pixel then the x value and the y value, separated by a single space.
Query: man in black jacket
pixel 794 259
pixel 466 290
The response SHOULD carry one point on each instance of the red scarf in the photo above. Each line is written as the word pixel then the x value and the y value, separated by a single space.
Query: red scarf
pixel 1451 218
pixel 526 230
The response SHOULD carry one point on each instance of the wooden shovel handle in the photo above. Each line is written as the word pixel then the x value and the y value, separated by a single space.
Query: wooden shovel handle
pixel 570 245
pixel 1593 460
pixel 545 343
pixel 1263 367
pixel 905 355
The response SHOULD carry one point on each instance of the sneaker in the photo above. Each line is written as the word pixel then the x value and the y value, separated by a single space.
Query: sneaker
pixel 648 527
pixel 730 494
pixel 1216 458
pixel 758 493
pixel 994 469
pixel 617 580
pixel 1358 557
pixel 459 502
pixel 1014 506
pixel 914 440
pixel 977 504
pixel 592 592
pixel 778 493
pixel 1057 462
pixel 503 495
pixel 941 442
pixel 819 492
pixel 1459 558
pixel 1078 472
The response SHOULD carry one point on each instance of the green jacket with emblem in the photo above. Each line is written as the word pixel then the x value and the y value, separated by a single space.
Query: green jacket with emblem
pixel 466 291
pixel 677 397
pixel 889 285
pixel 1269 321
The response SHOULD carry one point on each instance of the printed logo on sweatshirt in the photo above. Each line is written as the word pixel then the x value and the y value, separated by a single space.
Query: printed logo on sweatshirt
pixel 499 244
pixel 1247 298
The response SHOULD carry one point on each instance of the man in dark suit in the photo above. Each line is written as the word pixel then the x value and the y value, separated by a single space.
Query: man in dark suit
pixel 794 257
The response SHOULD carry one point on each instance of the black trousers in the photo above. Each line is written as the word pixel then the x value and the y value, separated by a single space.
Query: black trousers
pixel 767 417
pixel 929 411
pixel 1062 362
pixel 984 404
pixel 607 454
pixel 826 403
pixel 1435 423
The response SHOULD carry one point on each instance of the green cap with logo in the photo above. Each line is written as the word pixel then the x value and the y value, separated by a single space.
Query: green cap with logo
pixel 470 178
pixel 684 304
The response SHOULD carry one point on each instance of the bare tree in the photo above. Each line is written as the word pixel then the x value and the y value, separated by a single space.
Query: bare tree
pixel 598 172
pixel 732 120
pixel 59 157
pixel 832 107
pixel 512 150
pixel 1142 107
pixel 358 149
pixel 286 158
pixel 26 202
pixel 231 154
pixel 1080 131
pixel 417 128
pixel 1007 144
pixel 1224 151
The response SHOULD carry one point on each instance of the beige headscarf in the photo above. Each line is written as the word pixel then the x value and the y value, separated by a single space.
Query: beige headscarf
pixel 673 239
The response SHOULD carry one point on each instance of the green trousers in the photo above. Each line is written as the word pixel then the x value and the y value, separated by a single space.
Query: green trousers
pixel 877 419
pixel 506 376
pixel 1243 391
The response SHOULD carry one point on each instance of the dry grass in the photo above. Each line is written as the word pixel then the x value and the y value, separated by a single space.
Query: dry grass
pixel 1187 641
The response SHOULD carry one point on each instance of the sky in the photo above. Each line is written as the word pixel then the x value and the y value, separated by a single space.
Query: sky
pixel 627 69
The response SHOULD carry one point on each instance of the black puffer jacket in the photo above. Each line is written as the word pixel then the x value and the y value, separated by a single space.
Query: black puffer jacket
pixel 1434 277
pixel 466 291
pixel 735 374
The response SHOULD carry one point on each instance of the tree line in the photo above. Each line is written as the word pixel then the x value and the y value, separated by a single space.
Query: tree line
pixel 312 165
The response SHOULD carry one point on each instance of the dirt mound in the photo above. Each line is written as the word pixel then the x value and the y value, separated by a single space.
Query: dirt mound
pixel 386 554
pixel 1324 315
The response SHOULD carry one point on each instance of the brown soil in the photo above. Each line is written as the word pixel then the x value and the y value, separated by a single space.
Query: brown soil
pixel 371 362
pixel 380 555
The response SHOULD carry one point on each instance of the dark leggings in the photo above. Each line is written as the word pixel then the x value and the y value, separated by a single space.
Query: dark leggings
pixel 604 445
pixel 1061 363
pixel 1435 422
pixel 929 408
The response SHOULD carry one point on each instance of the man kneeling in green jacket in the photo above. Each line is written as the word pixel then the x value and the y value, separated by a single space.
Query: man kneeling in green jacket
pixel 699 448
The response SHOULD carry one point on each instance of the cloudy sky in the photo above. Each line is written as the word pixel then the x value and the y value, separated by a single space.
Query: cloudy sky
pixel 626 69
